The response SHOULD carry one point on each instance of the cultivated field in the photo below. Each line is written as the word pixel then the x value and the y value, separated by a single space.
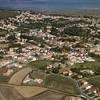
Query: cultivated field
pixel 6 14
pixel 49 95
pixel 63 84
pixel 29 91
pixel 9 93
pixel 12 92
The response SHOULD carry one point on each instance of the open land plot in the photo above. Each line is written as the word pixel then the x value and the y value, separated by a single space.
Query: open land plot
pixel 94 66
pixel 12 92
pixel 48 95
pixel 9 93
pixel 6 14
pixel 87 65
pixel 57 82
pixel 29 91
pixel 76 12
pixel 39 64
pixel 63 84
pixel 51 81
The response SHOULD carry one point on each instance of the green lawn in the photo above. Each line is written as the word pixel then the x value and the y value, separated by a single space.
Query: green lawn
pixel 94 81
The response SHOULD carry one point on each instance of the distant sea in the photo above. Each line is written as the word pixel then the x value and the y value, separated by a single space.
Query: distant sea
pixel 50 4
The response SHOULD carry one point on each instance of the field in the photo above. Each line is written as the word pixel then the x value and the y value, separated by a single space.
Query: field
pixel 6 14
pixel 63 84
pixel 94 81
pixel 39 64
pixel 9 93
pixel 38 74
pixel 57 82
pixel 94 66
pixel 29 91
pixel 49 95
pixel 12 92
pixel 88 65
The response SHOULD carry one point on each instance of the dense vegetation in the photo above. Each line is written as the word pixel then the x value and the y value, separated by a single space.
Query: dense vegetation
pixel 94 66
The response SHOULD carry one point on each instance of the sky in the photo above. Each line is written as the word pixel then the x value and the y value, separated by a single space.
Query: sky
pixel 51 3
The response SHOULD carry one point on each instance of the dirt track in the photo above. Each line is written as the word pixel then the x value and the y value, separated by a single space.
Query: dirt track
pixel 19 76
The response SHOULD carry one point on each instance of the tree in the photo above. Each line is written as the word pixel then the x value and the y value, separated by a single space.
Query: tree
pixel 11 38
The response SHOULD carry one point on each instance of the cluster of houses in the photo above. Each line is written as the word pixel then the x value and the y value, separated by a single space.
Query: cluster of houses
pixel 15 58
pixel 75 55
pixel 89 89
pixel 95 49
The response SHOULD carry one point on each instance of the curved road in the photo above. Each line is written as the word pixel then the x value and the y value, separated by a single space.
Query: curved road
pixel 19 76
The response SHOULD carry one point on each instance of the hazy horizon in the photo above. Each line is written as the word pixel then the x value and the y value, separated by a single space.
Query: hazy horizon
pixel 51 4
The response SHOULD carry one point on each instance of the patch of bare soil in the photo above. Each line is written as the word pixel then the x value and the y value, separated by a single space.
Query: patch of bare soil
pixel 9 93
pixel 48 95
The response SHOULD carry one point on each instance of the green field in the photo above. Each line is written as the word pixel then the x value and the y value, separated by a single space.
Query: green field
pixel 53 81
pixel 63 84
pixel 39 64
pixel 94 81
pixel 57 82
pixel 94 66
pixel 6 14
